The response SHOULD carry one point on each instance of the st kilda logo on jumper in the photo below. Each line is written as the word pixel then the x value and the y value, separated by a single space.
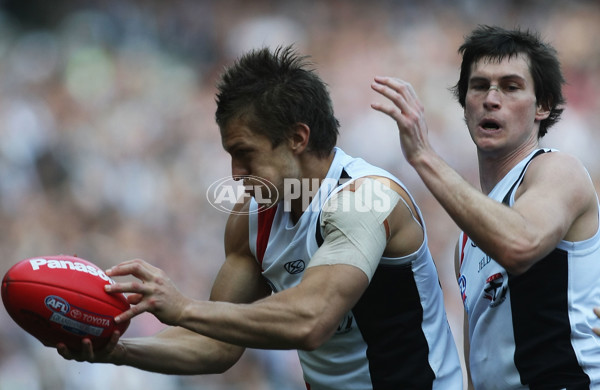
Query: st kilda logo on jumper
pixel 295 267
pixel 495 289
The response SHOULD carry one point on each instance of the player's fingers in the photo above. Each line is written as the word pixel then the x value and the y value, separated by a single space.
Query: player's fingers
pixel 63 351
pixel 137 267
pixel 394 110
pixel 87 351
pixel 127 287
pixel 135 310
pixel 400 94
pixel 409 92
pixel 404 88
pixel 134 299
pixel 114 340
pixel 389 89
pixel 110 346
pixel 124 263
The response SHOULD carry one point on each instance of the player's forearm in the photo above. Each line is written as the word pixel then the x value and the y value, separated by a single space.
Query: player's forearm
pixel 498 230
pixel 179 352
pixel 265 324
pixel 302 317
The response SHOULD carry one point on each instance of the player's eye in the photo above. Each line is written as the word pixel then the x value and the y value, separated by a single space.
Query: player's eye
pixel 479 87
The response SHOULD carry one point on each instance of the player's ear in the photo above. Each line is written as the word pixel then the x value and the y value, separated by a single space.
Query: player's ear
pixel 541 112
pixel 300 137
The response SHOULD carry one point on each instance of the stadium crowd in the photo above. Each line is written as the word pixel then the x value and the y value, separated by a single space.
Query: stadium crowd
pixel 108 142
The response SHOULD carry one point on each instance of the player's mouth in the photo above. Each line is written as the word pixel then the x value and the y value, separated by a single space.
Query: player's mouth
pixel 490 125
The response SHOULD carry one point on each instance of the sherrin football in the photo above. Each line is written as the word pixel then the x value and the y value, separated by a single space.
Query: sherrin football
pixel 62 299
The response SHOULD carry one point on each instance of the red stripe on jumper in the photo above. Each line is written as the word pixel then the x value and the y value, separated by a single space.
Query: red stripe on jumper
pixel 462 247
pixel 265 221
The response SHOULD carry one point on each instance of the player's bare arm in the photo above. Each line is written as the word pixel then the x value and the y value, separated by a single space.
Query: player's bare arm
pixel 302 317
pixel 545 211
pixel 179 352
pixel 290 319
pixel 182 351
pixel 296 318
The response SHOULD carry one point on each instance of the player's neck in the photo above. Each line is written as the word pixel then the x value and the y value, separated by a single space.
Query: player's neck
pixel 494 166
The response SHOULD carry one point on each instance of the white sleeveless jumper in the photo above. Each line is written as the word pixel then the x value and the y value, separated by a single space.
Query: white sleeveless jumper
pixel 532 331
pixel 397 336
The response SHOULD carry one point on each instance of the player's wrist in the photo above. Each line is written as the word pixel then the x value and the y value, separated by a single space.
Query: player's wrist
pixel 424 159
pixel 119 355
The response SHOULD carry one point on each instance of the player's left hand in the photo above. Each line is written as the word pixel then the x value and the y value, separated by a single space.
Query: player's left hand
pixel 156 293
pixel 108 354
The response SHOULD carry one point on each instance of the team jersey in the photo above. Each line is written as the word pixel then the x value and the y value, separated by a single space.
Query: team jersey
pixel 534 330
pixel 397 336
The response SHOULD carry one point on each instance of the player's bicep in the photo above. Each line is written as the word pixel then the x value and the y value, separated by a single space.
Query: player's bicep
pixel 334 289
pixel 240 279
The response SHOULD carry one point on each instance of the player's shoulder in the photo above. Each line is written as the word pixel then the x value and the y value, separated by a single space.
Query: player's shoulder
pixel 555 155
pixel 557 163
pixel 559 170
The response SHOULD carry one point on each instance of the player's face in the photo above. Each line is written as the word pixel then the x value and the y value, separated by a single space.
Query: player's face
pixel 501 109
pixel 254 160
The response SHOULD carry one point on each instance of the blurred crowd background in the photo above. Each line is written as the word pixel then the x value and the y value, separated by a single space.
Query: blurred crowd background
pixel 108 142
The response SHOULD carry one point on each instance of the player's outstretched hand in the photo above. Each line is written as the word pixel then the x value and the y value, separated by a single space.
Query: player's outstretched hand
pixel 403 105
pixel 597 329
pixel 87 353
pixel 154 293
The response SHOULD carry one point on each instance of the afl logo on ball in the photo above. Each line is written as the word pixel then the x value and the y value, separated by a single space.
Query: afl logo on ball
pixel 57 304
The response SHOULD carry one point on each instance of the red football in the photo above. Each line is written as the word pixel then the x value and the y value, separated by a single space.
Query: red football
pixel 62 299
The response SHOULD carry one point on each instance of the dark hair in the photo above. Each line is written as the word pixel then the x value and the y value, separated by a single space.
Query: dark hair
pixel 275 90
pixel 498 43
